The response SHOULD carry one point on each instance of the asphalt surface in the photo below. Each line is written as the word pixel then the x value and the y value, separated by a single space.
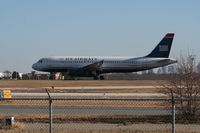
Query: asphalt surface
pixel 9 109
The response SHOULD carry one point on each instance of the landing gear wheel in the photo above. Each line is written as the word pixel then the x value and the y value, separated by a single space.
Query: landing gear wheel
pixel 51 76
pixel 96 78
pixel 101 77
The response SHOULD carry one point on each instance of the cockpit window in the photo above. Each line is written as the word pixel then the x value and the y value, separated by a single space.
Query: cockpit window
pixel 40 61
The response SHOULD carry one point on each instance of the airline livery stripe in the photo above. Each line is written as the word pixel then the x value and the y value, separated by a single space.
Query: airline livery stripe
pixel 170 35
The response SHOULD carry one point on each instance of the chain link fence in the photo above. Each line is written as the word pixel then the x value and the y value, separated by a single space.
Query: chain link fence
pixel 97 115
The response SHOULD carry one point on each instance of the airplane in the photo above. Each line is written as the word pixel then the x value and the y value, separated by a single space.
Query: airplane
pixel 89 66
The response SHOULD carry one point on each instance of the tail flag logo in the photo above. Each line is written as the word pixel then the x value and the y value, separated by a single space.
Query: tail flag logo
pixel 163 48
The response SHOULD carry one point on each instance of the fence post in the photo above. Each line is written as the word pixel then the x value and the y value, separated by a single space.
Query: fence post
pixel 173 115
pixel 50 113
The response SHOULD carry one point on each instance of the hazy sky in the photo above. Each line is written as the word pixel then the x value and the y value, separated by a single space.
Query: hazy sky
pixel 33 29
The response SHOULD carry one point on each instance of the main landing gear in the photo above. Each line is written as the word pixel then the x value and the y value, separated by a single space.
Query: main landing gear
pixel 98 77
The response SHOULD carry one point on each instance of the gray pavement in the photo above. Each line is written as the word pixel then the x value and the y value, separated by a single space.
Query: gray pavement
pixel 9 109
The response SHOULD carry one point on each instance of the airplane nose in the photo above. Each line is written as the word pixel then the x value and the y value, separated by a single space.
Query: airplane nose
pixel 34 67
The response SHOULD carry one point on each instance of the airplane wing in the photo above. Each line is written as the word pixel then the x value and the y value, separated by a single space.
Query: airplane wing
pixel 94 66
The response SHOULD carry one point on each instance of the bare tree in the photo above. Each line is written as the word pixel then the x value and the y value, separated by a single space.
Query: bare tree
pixel 171 69
pixel 185 85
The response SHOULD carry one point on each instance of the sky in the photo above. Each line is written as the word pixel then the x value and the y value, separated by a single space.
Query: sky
pixel 30 30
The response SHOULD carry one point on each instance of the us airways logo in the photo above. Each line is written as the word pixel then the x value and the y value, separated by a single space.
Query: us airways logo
pixel 163 48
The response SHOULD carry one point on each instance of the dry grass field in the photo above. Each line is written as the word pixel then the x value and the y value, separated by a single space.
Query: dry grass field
pixel 109 119
pixel 89 103
pixel 121 122
pixel 21 128
pixel 75 83
pixel 94 131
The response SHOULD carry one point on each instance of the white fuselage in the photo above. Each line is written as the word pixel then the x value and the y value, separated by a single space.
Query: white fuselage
pixel 94 66
pixel 110 64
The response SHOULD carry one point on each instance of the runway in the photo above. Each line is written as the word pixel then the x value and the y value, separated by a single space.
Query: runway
pixel 9 109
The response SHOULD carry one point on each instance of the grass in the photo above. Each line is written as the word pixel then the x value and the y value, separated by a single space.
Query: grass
pixel 78 83
pixel 122 131
pixel 88 103
pixel 109 119
pixel 121 121
pixel 95 118
pixel 17 125
pixel 95 131
pixel 41 84
pixel 106 90
pixel 112 119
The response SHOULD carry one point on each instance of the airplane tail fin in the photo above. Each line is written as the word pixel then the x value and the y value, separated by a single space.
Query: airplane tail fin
pixel 162 50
